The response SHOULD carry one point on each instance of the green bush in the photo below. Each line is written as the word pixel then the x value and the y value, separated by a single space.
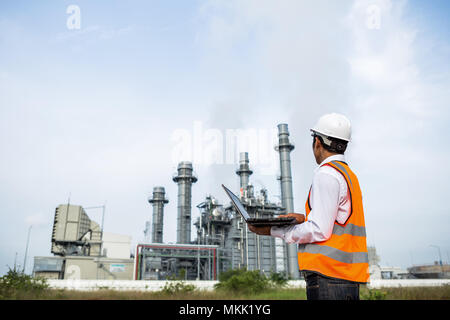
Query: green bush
pixel 279 279
pixel 16 285
pixel 249 282
pixel 225 276
pixel 177 287
pixel 374 295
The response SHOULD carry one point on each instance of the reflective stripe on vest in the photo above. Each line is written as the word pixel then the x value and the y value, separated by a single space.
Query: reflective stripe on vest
pixel 349 229
pixel 337 164
pixel 338 255
pixel 344 255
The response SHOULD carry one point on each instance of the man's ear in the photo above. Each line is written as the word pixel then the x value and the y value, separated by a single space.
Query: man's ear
pixel 317 143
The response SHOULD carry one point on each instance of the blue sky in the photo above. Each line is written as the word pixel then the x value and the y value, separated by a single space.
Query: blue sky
pixel 92 112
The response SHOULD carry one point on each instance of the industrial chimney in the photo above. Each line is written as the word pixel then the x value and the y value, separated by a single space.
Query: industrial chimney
pixel 284 148
pixel 184 178
pixel 158 200
pixel 243 171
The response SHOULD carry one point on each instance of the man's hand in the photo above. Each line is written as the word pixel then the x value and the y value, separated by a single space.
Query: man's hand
pixel 300 218
pixel 264 231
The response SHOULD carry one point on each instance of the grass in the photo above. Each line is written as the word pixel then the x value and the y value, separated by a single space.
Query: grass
pixel 425 293
pixel 236 285
pixel 407 293
pixel 105 294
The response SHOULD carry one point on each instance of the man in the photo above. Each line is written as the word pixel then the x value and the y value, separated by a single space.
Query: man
pixel 331 237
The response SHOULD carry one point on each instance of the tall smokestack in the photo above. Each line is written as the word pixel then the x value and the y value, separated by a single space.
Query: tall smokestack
pixel 158 200
pixel 184 179
pixel 284 148
pixel 243 171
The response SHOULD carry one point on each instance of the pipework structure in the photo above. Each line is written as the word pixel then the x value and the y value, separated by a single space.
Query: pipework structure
pixel 223 226
pixel 223 240
pixel 184 177
pixel 159 261
pixel 158 200
pixel 284 148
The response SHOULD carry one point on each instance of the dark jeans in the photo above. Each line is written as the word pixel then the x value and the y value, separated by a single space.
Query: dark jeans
pixel 319 287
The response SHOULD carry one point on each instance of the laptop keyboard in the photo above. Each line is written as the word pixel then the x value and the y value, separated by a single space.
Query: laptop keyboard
pixel 270 219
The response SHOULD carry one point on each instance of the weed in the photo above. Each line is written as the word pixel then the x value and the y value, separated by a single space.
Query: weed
pixel 177 287
pixel 249 282
pixel 16 284
pixel 103 288
pixel 374 295
pixel 279 279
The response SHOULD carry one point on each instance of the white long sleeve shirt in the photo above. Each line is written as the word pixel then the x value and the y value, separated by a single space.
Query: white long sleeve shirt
pixel 329 201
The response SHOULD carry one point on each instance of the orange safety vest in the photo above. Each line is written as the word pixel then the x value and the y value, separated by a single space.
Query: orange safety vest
pixel 344 255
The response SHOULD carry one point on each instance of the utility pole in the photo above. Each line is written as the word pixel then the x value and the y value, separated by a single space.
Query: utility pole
pixel 26 250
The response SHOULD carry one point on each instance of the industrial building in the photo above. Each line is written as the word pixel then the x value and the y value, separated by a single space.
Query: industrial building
pixel 83 251
pixel 223 240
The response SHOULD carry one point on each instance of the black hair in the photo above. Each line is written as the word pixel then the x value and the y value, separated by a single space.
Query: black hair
pixel 337 145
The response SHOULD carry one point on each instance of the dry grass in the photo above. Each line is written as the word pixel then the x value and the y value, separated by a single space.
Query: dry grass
pixel 106 294
pixel 426 293
pixel 417 293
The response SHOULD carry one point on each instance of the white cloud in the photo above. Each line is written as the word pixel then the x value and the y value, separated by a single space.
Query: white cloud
pixel 95 32
pixel 37 220
pixel 396 115
pixel 310 58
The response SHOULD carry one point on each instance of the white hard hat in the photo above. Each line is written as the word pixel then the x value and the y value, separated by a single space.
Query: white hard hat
pixel 334 125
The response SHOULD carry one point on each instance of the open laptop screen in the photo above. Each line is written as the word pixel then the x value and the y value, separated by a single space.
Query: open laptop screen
pixel 237 203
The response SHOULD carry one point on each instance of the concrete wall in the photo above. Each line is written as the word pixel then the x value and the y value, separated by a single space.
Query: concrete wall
pixel 132 285
pixel 47 274
pixel 141 285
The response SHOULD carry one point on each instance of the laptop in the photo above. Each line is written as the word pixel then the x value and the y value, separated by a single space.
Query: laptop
pixel 257 222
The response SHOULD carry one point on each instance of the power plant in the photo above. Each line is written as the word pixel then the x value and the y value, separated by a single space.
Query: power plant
pixel 223 240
